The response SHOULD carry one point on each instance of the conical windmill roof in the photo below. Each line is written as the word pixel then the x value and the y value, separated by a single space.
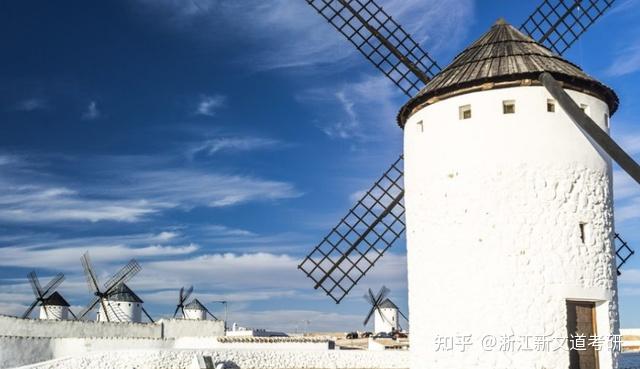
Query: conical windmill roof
pixel 195 304
pixel 387 304
pixel 504 57
pixel 55 299
pixel 123 293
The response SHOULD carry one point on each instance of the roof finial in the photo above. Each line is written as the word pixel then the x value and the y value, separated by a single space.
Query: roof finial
pixel 500 22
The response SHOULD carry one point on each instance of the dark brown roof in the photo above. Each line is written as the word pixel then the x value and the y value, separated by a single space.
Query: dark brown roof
pixel 55 299
pixel 504 54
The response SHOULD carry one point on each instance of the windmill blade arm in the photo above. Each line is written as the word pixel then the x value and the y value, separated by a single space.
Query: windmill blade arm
pixel 559 23
pixel 187 294
pixel 176 311
pixel 89 307
pixel 73 315
pixel 147 314
pixel 92 281
pixel 366 320
pixel 402 315
pixel 53 284
pixel 123 275
pixel 30 309
pixel 604 141
pixel 213 316
pixel 352 248
pixel 35 284
pixel 381 40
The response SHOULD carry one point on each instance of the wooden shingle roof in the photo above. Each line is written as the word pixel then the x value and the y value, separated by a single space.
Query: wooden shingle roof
pixel 502 55
pixel 122 292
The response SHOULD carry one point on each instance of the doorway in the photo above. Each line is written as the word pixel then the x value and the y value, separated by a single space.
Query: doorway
pixel 581 321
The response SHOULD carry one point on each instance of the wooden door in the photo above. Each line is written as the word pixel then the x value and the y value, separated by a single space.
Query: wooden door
pixel 581 321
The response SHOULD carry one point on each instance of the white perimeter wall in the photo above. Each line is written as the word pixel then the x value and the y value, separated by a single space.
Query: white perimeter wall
pixel 493 207
pixel 245 359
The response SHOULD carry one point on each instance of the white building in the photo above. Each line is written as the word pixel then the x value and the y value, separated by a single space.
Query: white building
pixel 509 212
pixel 195 310
pixel 54 307
pixel 122 305
pixel 386 317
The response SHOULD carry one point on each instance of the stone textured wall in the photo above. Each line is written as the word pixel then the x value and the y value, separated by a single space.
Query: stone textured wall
pixel 245 359
pixel 494 205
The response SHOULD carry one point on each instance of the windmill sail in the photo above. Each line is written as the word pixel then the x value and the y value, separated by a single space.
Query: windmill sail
pixel 381 40
pixel 557 24
pixel 351 249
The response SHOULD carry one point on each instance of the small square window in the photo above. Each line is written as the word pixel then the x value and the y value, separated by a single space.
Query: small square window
pixel 509 107
pixel 465 112
pixel 584 108
pixel 551 105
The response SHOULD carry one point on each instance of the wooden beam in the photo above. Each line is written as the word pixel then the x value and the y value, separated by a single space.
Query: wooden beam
pixel 590 127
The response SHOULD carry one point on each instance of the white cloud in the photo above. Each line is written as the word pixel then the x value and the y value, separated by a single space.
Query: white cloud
pixel 627 62
pixel 92 111
pixel 368 108
pixel 132 197
pixel 32 104
pixel 68 258
pixel 34 203
pixel 292 34
pixel 209 104
pixel 628 210
pixel 231 144
pixel 188 188
pixel 631 143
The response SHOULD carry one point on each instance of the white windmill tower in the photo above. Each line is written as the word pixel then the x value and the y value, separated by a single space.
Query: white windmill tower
pixel 385 313
pixel 195 310
pixel 508 187
pixel 52 305
pixel 118 303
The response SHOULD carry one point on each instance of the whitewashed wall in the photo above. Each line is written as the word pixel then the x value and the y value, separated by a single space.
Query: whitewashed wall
pixel 493 206
pixel 245 359
pixel 11 326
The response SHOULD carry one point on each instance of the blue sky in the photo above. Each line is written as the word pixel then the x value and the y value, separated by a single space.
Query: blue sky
pixel 218 141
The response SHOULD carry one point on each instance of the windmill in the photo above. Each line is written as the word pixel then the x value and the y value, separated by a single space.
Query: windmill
pixel 195 310
pixel 182 298
pixel 457 223
pixel 117 301
pixel 52 304
pixel 386 312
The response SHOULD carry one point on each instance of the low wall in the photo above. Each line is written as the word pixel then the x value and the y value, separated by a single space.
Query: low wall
pixel 173 328
pixel 245 359
pixel 11 326
pixel 15 351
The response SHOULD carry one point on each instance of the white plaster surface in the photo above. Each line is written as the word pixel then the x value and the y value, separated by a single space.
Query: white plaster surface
pixel 385 320
pixel 493 207
pixel 195 314
pixel 245 359
pixel 120 311
pixel 54 312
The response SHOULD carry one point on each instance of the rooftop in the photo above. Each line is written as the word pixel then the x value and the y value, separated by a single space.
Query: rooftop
pixel 504 54
pixel 122 292
pixel 195 304
pixel 55 299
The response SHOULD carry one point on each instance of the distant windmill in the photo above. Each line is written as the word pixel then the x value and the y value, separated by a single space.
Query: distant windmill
pixel 386 312
pixel 52 304
pixel 195 310
pixel 184 295
pixel 116 299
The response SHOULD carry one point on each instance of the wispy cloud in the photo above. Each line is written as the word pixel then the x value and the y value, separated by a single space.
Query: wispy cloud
pixel 207 105
pixel 292 34
pixel 32 104
pixel 134 194
pixel 235 144
pixel 367 108
pixel 627 62
pixel 91 112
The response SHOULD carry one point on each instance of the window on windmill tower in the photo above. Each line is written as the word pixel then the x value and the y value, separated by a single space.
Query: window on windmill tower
pixel 465 112
pixel 508 107
pixel 584 108
pixel 551 105
pixel 583 232
pixel 420 126
pixel 606 120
